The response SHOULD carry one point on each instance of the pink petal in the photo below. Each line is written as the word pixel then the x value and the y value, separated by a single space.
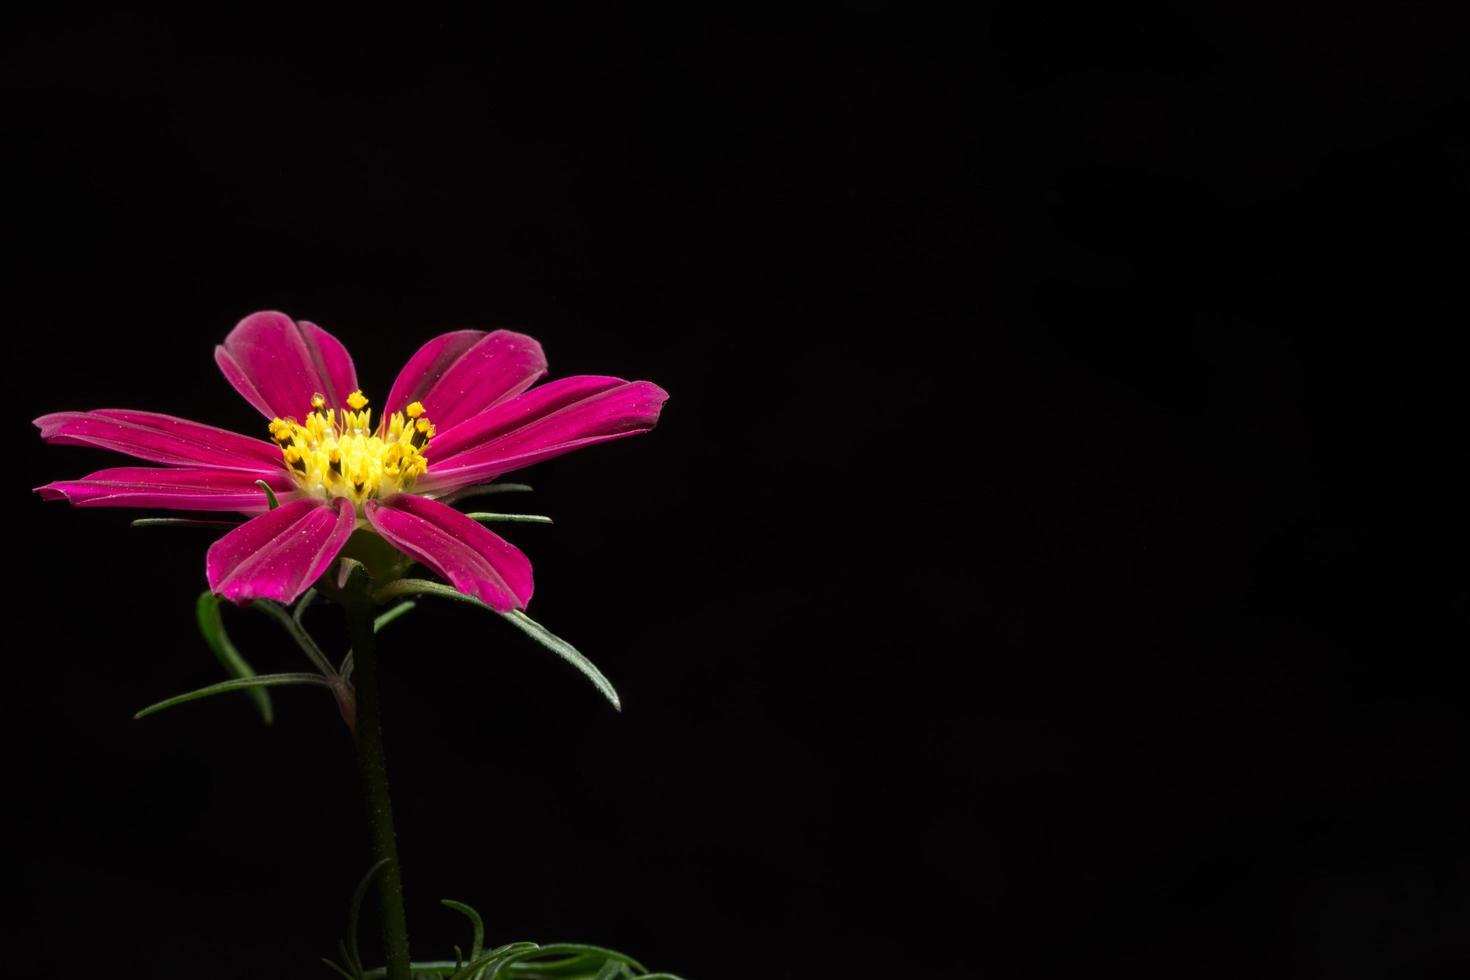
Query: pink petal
pixel 542 423
pixel 161 439
pixel 169 488
pixel 280 553
pixel 278 364
pixel 460 374
pixel 476 561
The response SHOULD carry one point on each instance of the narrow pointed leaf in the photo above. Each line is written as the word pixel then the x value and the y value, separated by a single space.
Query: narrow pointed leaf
pixel 520 957
pixel 566 651
pixel 298 633
pixel 385 618
pixel 495 957
pixel 533 629
pixel 354 912
pixel 180 522
pixel 425 968
pixel 338 969
pixel 241 684
pixel 485 517
pixel 581 966
pixel 477 944
pixel 212 628
pixel 423 586
pixel 574 950
pixel 484 490
pixel 303 604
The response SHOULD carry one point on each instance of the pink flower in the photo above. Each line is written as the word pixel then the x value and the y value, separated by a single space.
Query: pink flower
pixel 462 412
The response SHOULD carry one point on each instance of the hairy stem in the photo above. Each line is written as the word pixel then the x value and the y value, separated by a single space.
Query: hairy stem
pixel 374 771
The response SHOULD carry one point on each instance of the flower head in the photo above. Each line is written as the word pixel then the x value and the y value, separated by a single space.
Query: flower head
pixel 339 453
pixel 461 412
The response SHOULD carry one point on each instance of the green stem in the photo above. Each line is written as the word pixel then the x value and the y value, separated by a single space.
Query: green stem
pixel 369 733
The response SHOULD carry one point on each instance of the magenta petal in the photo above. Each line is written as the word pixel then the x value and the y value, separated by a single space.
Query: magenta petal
pixel 277 364
pixel 476 561
pixel 542 423
pixel 280 553
pixel 460 374
pixel 169 488
pixel 161 439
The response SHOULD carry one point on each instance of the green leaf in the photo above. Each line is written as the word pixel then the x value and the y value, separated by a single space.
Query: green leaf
pixel 527 625
pixel 354 912
pixel 298 633
pixel 574 950
pixel 242 684
pixel 426 968
pixel 180 522
pixel 571 961
pixel 484 490
pixel 271 503
pixel 478 940
pixel 338 969
pixel 566 651
pixel 610 970
pixel 303 604
pixel 385 618
pixel 576 966
pixel 485 517
pixel 422 586
pixel 448 968
pixel 495 957
pixel 212 628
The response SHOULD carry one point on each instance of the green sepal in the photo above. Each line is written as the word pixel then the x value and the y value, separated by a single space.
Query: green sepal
pixel 212 628
pixel 522 622
pixel 271 503
pixel 380 560
pixel 241 684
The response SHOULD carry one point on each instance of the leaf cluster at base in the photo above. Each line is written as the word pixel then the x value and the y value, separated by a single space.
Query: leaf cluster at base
pixel 525 961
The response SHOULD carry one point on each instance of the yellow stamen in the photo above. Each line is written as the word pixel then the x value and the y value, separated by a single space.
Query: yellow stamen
pixel 334 454
pixel 414 409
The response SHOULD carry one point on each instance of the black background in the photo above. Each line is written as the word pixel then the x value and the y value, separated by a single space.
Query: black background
pixel 1048 562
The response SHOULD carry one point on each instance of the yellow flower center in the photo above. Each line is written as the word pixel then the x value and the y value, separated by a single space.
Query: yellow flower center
pixel 340 455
